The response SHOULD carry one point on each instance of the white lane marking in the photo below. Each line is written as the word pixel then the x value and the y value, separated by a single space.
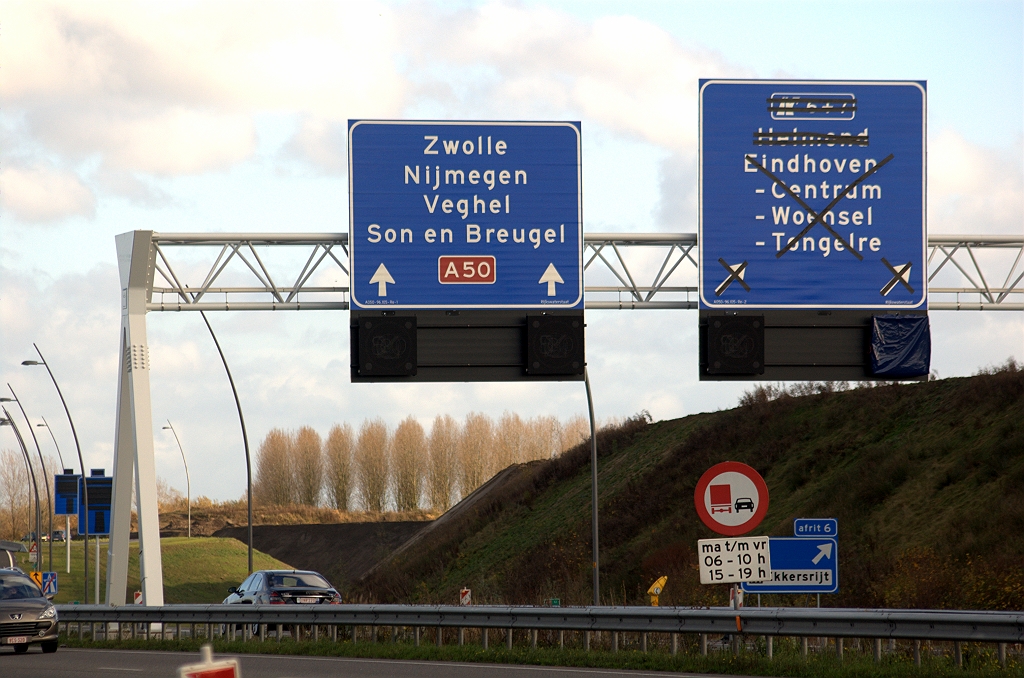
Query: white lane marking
pixel 508 667
pixel 118 668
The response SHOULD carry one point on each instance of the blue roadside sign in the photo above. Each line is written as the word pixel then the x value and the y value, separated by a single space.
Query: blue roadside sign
pixel 815 527
pixel 100 488
pixel 800 565
pixel 812 194
pixel 49 583
pixel 65 494
pixel 465 215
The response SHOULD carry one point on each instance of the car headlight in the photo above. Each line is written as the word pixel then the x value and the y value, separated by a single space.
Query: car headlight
pixel 49 613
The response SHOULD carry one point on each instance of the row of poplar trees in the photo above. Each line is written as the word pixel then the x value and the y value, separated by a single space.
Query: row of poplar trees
pixel 406 468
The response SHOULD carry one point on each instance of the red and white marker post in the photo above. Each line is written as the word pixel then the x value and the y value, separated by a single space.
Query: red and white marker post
pixel 225 668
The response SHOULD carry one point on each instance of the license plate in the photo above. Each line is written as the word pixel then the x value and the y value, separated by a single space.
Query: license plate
pixel 16 640
pixel 307 600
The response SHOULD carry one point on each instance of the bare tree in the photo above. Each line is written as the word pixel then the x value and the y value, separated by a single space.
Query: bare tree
pixel 168 498
pixel 408 454
pixel 308 466
pixel 476 451
pixel 441 472
pixel 13 499
pixel 574 431
pixel 510 440
pixel 273 482
pixel 338 460
pixel 544 437
pixel 373 465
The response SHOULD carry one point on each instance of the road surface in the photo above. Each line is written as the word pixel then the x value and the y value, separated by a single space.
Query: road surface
pixel 86 663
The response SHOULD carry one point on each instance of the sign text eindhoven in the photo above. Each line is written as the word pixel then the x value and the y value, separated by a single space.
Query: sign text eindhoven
pixel 812 194
pixel 465 215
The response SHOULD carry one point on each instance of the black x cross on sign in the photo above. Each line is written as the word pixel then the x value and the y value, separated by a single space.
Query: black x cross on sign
pixel 900 276
pixel 819 217
pixel 735 273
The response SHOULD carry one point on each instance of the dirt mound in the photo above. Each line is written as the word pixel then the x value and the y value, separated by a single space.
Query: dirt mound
pixel 464 510
pixel 343 552
pixel 209 517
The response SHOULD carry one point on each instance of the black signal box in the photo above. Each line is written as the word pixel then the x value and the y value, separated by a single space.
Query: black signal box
pixel 405 346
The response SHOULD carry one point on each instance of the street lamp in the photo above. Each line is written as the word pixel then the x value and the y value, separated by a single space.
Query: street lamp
pixel 245 437
pixel 188 483
pixel 85 484
pixel 67 516
pixel 47 427
pixel 8 421
pixel 46 484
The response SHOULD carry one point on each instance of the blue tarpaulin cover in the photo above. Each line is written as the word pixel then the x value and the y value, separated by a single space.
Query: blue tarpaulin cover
pixel 901 345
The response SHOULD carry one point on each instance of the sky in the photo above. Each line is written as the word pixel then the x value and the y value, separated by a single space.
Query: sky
pixel 224 116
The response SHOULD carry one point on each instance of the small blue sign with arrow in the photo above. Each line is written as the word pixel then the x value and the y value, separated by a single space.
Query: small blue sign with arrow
pixel 800 565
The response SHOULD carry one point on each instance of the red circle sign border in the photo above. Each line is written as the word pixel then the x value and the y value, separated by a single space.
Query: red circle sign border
pixel 711 474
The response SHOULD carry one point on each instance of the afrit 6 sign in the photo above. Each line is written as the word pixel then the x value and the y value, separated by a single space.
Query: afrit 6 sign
pixel 465 215
pixel 812 194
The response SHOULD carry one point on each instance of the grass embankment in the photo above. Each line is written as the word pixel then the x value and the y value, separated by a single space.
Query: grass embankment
pixel 926 480
pixel 197 570
pixel 978 661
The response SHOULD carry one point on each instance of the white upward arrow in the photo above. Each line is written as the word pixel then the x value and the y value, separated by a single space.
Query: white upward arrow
pixel 824 550
pixel 382 278
pixel 551 277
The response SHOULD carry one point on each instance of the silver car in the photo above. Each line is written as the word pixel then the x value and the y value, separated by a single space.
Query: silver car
pixel 26 615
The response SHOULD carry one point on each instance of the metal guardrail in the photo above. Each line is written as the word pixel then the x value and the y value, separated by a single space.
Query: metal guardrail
pixel 943 625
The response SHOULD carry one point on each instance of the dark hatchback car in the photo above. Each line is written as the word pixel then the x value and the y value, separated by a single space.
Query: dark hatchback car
pixel 26 616
pixel 279 587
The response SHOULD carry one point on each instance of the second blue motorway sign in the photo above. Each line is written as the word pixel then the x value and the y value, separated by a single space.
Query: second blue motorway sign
pixel 812 194
pixel 456 215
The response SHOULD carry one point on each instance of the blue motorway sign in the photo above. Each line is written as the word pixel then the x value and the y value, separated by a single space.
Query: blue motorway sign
pixel 815 527
pixel 100 488
pixel 465 215
pixel 800 565
pixel 812 194
pixel 65 494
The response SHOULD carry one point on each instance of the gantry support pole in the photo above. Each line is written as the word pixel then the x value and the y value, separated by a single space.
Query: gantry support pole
pixel 133 442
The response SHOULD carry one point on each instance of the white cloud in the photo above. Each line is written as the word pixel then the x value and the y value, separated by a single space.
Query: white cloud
pixel 42 194
pixel 623 73
pixel 973 189
pixel 171 89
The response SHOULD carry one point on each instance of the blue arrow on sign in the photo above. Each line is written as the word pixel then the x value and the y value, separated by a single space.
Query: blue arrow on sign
pixel 800 565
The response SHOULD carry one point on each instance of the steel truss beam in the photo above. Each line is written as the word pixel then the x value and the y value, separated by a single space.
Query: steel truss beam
pixel 624 271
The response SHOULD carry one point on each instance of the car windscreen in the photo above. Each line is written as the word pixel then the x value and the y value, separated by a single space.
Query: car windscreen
pixel 292 579
pixel 18 586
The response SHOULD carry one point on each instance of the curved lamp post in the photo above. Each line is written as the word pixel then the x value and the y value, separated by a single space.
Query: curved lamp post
pixel 83 529
pixel 46 476
pixel 47 427
pixel 245 437
pixel 188 483
pixel 67 517
pixel 9 421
